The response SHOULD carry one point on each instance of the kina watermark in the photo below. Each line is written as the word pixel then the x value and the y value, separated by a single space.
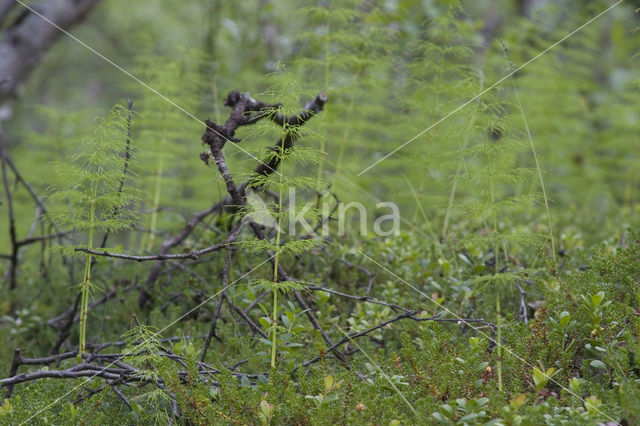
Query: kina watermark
pixel 314 218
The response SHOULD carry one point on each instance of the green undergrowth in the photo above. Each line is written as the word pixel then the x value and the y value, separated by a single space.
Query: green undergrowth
pixel 518 252
pixel 575 360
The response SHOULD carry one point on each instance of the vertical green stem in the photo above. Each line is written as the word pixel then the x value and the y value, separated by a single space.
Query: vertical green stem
pixel 454 187
pixel 86 283
pixel 344 136
pixel 539 170
pixel 156 203
pixel 327 68
pixel 495 267
pixel 158 186
pixel 275 319
pixel 275 262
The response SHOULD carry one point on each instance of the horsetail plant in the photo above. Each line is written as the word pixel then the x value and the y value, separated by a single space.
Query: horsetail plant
pixel 161 130
pixel 95 193
pixel 286 89
pixel 490 166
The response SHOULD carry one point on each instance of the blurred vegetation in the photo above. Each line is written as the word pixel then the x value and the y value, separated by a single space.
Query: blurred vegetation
pixel 518 209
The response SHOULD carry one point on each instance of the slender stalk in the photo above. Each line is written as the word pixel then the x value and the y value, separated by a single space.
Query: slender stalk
pixel 454 187
pixel 345 135
pixel 327 69
pixel 496 269
pixel 86 283
pixel 535 155
pixel 380 370
pixel 158 188
pixel 538 169
pixel 275 319
pixel 11 216
pixel 276 257
pixel 156 203
pixel 420 210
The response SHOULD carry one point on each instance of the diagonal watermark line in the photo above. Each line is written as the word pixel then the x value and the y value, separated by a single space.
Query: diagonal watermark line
pixel 375 364
pixel 157 333
pixel 142 83
pixel 478 330
pixel 492 86
pixel 343 178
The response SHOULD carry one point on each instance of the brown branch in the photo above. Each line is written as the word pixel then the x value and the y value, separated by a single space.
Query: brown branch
pixel 64 374
pixel 406 315
pixel 55 322
pixel 215 143
pixel 174 241
pixel 13 265
pixel 27 185
pixel 42 210
pixel 27 40
pixel 365 299
pixel 121 396
pixel 254 327
pixel 191 255
pixel 5 9
pixel 257 230
pixel 243 105
pixel 362 269
pixel 255 302
pixel 311 108
pixel 214 320
pixel 15 364
pixel 66 327
pixel 116 371
pixel 31 240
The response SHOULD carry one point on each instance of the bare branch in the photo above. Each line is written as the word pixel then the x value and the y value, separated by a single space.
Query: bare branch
pixel 28 39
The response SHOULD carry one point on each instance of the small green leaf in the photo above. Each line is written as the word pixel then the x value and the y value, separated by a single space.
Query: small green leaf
pixel 328 382
pixel 265 322
pixel 597 298
pixel 285 321
pixel 565 318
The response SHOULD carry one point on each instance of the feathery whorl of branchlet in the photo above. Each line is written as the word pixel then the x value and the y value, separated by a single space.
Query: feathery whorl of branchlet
pixel 99 175
pixel 95 191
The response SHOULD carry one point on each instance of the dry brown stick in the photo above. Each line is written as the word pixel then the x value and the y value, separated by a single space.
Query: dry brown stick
pixel 241 104
pixel 65 374
pixel 120 395
pixel 66 327
pixel 345 339
pixel 231 238
pixel 365 299
pixel 255 302
pixel 405 315
pixel 254 327
pixel 169 244
pixel 54 322
pixel 15 364
pixel 191 255
pixel 13 259
pixel 26 41
pixel 90 393
pixel 115 372
pixel 215 143
pixel 39 203
pixel 31 240
pixel 5 8
pixel 27 185
pixel 214 320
